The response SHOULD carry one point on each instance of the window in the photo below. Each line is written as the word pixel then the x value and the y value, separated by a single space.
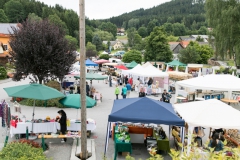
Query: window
pixel 5 47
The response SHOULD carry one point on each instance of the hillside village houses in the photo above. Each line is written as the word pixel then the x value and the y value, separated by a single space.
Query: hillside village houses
pixel 5 30
pixel 118 44
pixel 183 42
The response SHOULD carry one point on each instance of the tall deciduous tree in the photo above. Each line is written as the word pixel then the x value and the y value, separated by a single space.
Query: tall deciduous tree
pixel 157 47
pixel 97 42
pixel 189 55
pixel 14 11
pixel 91 50
pixel 58 22
pixel 223 17
pixel 142 31
pixel 3 17
pixel 109 27
pixel 33 17
pixel 40 48
pixel 132 55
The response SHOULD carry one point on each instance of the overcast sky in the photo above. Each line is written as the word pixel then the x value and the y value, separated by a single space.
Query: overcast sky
pixel 101 9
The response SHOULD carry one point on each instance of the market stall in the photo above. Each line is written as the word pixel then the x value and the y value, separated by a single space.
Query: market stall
pixel 131 65
pixel 175 63
pixel 209 83
pixel 210 113
pixel 48 126
pixel 149 111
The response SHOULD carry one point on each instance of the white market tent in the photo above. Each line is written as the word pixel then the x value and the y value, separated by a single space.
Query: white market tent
pixel 150 71
pixel 146 64
pixel 137 68
pixel 209 113
pixel 211 82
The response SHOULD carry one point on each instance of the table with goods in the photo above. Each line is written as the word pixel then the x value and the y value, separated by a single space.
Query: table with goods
pixel 122 134
pixel 47 125
pixel 121 140
pixel 162 142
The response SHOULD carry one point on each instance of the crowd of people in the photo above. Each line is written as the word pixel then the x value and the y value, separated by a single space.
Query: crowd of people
pixel 128 85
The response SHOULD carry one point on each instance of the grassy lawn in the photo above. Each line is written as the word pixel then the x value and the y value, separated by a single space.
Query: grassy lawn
pixel 122 37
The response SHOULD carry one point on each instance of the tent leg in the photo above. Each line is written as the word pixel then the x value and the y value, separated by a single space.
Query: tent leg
pixel 182 137
pixel 107 139
pixel 169 131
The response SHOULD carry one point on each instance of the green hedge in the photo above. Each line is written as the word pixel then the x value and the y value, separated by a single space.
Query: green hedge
pixel 3 73
pixel 21 151
pixel 40 103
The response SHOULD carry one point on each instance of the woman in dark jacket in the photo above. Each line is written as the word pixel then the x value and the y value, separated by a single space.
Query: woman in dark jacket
pixel 142 93
pixel 63 123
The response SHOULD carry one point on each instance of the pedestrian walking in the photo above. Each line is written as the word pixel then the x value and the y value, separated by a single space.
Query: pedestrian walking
pixel 110 80
pixel 87 89
pixel 124 91
pixel 129 88
pixel 117 91
pixel 123 79
pixel 126 79
pixel 130 81
pixel 118 79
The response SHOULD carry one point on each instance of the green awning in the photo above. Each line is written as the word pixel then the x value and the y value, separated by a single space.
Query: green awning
pixel 73 101
pixel 131 65
pixel 93 76
pixel 33 91
pixel 176 63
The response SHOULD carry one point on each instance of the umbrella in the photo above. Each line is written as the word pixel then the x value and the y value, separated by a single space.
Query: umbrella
pixel 73 101
pixel 121 67
pixel 93 76
pixel 101 61
pixel 33 91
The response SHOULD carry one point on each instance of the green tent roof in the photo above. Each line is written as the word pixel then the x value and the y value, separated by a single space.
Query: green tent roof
pixel 131 65
pixel 176 63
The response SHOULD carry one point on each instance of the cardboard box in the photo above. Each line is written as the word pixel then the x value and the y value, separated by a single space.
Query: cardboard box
pixel 125 154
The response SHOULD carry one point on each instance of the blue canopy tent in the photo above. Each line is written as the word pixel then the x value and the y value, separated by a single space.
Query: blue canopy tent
pixel 88 62
pixel 143 110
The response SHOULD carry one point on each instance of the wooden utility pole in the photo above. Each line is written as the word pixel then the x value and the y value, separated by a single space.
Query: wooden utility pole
pixel 83 80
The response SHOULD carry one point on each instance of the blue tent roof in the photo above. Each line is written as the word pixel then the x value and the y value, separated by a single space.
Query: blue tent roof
pixel 90 63
pixel 144 110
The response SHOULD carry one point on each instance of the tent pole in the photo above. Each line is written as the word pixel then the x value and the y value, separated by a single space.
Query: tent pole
pixel 33 113
pixel 182 137
pixel 106 141
pixel 176 92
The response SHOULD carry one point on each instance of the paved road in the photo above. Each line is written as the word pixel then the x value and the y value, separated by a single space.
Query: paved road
pixel 99 113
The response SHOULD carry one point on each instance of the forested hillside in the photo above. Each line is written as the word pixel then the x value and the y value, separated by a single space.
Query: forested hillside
pixel 14 11
pixel 189 12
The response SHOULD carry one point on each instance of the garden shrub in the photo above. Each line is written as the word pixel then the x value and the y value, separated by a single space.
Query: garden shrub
pixel 29 142
pixel 50 103
pixel 21 151
pixel 53 84
pixel 3 73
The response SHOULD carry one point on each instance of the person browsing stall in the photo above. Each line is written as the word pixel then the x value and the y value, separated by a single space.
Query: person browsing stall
pixel 166 96
pixel 142 93
pixel 124 91
pixel 129 87
pixel 63 123
pixel 216 143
